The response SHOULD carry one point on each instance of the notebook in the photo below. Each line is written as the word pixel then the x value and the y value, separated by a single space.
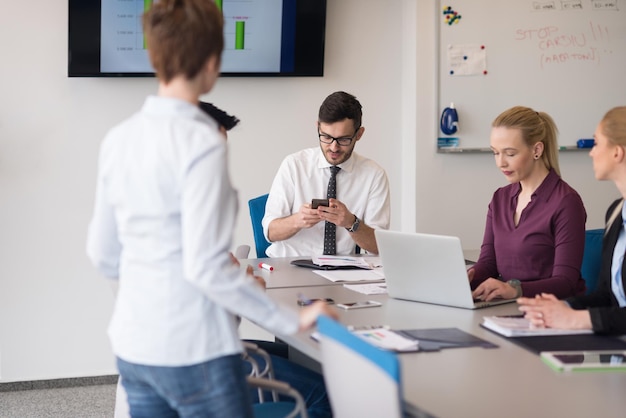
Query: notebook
pixel 427 268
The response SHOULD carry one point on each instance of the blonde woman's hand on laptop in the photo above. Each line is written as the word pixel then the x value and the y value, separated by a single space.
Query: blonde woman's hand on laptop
pixel 470 275
pixel 492 289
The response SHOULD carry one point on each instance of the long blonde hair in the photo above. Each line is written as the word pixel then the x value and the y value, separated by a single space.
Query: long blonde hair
pixel 535 127
pixel 613 125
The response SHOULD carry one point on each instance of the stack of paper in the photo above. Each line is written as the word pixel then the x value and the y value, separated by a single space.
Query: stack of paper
pixel 387 339
pixel 517 326
pixel 352 275
pixel 342 261
pixel 368 288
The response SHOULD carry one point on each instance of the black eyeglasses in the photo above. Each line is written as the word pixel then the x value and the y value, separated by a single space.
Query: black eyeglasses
pixel 344 141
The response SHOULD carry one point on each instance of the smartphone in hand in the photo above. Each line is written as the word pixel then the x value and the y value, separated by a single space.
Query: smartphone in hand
pixel 315 203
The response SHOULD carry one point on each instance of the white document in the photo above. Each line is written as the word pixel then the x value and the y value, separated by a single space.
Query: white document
pixel 368 288
pixel 521 327
pixel 341 260
pixel 359 275
pixel 467 60
pixel 387 339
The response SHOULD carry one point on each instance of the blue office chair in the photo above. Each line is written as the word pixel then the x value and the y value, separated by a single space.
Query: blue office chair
pixel 592 258
pixel 361 380
pixel 257 211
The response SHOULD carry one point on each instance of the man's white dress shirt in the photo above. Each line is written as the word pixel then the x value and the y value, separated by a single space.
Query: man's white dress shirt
pixel 362 186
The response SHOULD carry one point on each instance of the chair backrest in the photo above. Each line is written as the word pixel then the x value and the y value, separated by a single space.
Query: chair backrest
pixel 592 258
pixel 361 380
pixel 257 211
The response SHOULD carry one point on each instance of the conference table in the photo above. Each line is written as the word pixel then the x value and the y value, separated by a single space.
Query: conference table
pixel 507 381
pixel 286 275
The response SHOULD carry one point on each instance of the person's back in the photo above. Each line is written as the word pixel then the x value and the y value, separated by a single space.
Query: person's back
pixel 146 163
pixel 163 222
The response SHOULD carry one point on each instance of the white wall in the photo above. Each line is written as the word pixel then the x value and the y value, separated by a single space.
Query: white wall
pixel 453 191
pixel 54 307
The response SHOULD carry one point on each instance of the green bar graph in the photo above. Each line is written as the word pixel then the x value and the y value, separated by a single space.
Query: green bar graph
pixel 240 29
pixel 219 5
pixel 146 6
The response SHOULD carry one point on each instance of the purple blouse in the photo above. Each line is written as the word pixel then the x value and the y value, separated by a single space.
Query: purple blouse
pixel 545 250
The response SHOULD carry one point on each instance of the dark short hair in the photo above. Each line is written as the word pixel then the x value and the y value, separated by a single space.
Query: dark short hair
pixel 182 35
pixel 339 106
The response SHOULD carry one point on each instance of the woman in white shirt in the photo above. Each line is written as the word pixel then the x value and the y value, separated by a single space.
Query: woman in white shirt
pixel 163 219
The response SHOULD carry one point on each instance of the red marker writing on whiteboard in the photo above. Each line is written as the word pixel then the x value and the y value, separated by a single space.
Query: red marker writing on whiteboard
pixel 266 266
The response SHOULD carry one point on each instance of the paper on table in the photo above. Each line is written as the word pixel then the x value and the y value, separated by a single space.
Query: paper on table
pixel 373 261
pixel 368 288
pixel 352 275
pixel 339 260
pixel 387 339
pixel 515 326
pixel 381 337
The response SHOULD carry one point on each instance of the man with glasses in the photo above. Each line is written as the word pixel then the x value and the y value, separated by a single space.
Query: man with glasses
pixel 360 189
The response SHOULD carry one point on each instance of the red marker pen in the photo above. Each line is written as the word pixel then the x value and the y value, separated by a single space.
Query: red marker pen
pixel 266 266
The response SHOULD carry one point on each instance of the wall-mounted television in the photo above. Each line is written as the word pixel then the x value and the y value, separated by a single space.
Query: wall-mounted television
pixel 262 38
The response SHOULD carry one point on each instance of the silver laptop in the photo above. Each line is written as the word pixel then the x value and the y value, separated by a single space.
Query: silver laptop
pixel 427 268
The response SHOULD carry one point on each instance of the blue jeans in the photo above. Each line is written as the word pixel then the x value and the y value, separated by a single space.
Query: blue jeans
pixel 216 388
pixel 309 383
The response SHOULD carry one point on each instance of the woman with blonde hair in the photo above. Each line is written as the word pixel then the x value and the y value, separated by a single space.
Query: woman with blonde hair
pixel 535 230
pixel 604 310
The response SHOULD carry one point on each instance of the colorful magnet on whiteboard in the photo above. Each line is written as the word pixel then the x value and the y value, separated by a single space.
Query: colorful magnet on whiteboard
pixel 451 15
pixel 455 19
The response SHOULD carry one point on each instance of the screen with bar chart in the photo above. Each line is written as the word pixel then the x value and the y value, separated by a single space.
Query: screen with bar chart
pixel 261 38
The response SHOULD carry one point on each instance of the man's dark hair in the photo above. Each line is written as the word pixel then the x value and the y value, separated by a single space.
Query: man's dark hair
pixel 339 106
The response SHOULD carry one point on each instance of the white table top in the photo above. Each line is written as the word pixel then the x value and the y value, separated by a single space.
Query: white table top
pixel 285 274
pixel 507 381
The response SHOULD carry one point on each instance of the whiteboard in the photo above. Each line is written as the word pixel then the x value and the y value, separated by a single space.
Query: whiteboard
pixel 564 57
